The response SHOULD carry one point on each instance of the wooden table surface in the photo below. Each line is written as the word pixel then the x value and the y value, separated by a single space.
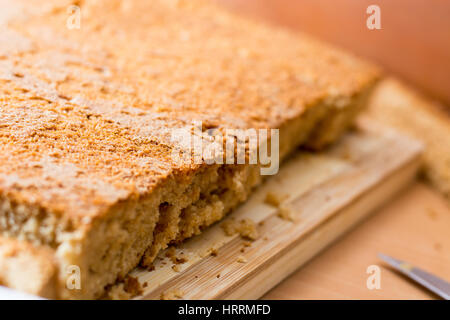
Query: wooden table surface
pixel 413 227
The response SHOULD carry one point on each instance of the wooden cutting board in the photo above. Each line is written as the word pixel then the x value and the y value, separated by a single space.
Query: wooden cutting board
pixel 328 194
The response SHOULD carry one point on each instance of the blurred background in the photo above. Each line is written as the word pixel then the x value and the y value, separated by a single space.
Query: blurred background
pixel 413 43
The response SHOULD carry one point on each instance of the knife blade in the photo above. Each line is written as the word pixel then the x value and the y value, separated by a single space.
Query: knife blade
pixel 431 282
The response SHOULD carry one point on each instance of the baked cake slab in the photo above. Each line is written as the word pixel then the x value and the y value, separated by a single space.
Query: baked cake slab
pixel 88 106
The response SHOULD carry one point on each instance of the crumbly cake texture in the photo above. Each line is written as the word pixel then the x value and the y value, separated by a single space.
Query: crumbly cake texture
pixel 28 268
pixel 398 106
pixel 86 116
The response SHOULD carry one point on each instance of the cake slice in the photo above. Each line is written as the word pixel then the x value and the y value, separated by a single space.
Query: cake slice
pixel 88 109
pixel 396 105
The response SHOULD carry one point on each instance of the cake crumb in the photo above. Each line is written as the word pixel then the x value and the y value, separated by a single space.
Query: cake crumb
pixel 171 254
pixel 172 295
pixel 285 213
pixel 210 252
pixel 275 199
pixel 241 259
pixel 229 227
pixel 180 260
pixel 246 228
pixel 176 268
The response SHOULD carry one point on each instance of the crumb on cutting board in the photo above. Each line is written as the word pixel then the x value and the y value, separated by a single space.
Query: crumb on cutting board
pixel 241 259
pixel 275 199
pixel 210 252
pixel 176 268
pixel 171 295
pixel 246 228
pixel 228 227
pixel 285 213
pixel 171 253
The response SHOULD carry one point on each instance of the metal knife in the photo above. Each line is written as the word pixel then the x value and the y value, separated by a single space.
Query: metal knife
pixel 426 279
